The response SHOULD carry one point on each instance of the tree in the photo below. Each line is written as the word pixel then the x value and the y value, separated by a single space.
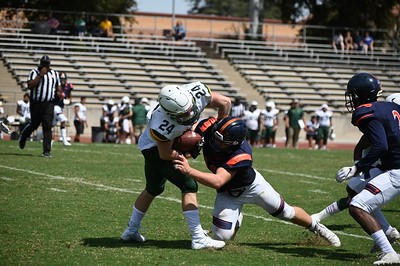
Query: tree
pixel 95 6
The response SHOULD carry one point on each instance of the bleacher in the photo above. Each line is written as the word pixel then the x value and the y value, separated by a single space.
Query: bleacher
pixel 104 68
pixel 313 73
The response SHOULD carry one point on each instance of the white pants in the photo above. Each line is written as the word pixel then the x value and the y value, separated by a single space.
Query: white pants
pixel 58 115
pixel 126 125
pixel 357 183
pixel 378 192
pixel 227 209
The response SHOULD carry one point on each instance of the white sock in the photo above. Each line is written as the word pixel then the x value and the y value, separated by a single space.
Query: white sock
pixel 64 134
pixel 193 220
pixel 136 218
pixel 313 225
pixel 328 211
pixel 381 240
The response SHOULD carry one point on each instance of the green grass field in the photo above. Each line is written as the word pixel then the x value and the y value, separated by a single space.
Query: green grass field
pixel 71 210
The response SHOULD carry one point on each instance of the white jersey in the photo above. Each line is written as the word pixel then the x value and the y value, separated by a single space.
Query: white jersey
pixel 237 110
pixel 324 118
pixel 25 111
pixel 270 117
pixel 81 112
pixel 251 119
pixel 161 127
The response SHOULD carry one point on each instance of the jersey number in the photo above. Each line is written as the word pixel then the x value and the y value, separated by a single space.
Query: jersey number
pixel 198 92
pixel 166 127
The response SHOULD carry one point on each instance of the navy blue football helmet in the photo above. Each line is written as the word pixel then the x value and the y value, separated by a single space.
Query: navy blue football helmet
pixel 362 88
pixel 230 132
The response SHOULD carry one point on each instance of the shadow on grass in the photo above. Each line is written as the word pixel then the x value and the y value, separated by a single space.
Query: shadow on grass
pixel 16 154
pixel 112 242
pixel 342 227
pixel 310 252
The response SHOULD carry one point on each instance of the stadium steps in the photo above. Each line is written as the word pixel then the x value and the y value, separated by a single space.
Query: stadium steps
pixel 10 89
pixel 238 81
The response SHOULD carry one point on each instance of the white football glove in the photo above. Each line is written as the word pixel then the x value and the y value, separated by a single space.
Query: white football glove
pixel 345 173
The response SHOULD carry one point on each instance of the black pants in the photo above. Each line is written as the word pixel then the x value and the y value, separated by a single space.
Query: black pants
pixel 41 113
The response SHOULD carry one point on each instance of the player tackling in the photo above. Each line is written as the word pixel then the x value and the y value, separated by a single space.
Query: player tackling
pixel 178 108
pixel 229 158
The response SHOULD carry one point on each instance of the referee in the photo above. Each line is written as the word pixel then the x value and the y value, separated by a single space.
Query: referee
pixel 43 83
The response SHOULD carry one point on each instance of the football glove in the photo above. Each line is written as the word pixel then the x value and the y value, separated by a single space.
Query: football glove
pixel 346 173
pixel 197 149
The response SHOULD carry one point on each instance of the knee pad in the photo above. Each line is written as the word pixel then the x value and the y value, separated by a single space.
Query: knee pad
pixel 155 191
pixel 189 186
pixel 287 213
pixel 223 230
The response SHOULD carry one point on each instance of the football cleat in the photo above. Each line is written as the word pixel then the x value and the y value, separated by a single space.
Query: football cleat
pixel 46 154
pixel 4 128
pixel 66 143
pixel 387 259
pixel 393 236
pixel 132 236
pixel 207 242
pixel 324 232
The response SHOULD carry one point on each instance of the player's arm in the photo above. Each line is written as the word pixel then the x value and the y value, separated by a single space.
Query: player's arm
pixel 217 180
pixel 361 145
pixel 221 102
pixel 376 134
pixel 164 146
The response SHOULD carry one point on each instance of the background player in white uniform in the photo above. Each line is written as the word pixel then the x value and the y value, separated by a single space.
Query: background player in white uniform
pixel 324 117
pixel 252 119
pixel 229 157
pixel 269 120
pixel 178 109
pixel 23 109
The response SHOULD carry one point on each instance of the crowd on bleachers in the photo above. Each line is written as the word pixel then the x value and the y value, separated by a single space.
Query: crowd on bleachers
pixel 353 43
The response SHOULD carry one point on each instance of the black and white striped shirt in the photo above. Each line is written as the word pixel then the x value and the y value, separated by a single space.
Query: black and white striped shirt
pixel 46 89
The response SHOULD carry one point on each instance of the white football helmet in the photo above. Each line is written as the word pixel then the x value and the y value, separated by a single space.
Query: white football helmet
pixel 395 98
pixel 179 104
pixel 270 104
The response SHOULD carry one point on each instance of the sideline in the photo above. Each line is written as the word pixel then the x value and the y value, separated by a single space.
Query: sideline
pixel 110 188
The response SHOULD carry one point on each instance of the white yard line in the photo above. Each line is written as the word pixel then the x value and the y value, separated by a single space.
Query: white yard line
pixel 110 188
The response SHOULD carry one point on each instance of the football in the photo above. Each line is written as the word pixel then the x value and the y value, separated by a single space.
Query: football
pixel 186 141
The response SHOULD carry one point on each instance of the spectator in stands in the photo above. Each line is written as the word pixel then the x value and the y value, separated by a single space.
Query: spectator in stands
pixel 179 31
pixel 92 26
pixel 23 110
pixel 125 116
pixel 368 43
pixel 53 24
pixel 237 108
pixel 106 28
pixel 252 119
pixel 338 41
pixel 295 121
pixel 41 26
pixel 80 120
pixel 358 41
pixel 348 42
pixel 139 120
pixel 311 132
pixel 80 25
pixel 324 118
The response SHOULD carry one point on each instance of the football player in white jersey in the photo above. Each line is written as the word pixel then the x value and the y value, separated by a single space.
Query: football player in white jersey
pixel 23 109
pixel 324 117
pixel 178 109
pixel 269 120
